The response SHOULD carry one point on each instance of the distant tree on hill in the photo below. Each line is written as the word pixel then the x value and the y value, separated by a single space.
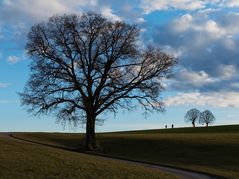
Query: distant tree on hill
pixel 192 115
pixel 83 66
pixel 206 117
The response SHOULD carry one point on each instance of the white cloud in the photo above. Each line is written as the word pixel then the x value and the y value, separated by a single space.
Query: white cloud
pixel 214 99
pixel 231 3
pixel 226 72
pixel 149 6
pixel 196 79
pixel 140 20
pixel 183 23
pixel 207 11
pixel 44 8
pixel 35 9
pixel 153 5
pixel 177 53
pixel 214 29
pixel 40 10
pixel 108 13
pixel 210 27
pixel 230 23
pixel 13 59
pixel 3 85
pixel 207 48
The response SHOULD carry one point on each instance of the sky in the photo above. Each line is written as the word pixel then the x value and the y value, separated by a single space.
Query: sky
pixel 202 34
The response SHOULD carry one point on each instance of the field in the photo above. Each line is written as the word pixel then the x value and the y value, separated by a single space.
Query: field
pixel 213 150
pixel 25 160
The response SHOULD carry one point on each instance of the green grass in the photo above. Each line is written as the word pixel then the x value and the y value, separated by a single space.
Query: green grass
pixel 213 150
pixel 26 160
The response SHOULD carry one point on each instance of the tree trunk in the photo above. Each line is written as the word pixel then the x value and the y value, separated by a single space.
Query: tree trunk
pixel 90 133
pixel 193 123
pixel 206 124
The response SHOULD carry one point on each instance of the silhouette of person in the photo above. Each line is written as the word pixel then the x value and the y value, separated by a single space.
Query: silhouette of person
pixel 172 126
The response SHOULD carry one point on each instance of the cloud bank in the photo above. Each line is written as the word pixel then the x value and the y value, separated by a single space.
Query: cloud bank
pixel 204 36
pixel 207 49
pixel 214 99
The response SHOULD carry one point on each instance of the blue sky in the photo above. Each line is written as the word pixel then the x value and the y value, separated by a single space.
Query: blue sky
pixel 202 34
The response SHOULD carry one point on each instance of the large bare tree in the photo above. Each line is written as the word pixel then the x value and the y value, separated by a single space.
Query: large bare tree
pixel 85 65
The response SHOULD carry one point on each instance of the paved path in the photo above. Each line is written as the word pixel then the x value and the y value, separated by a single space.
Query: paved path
pixel 184 174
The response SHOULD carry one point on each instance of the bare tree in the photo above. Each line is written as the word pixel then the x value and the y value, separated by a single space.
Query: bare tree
pixel 206 117
pixel 85 65
pixel 192 115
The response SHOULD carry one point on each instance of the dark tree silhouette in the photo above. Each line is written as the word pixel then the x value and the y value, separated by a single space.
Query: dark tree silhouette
pixel 85 65
pixel 192 115
pixel 206 117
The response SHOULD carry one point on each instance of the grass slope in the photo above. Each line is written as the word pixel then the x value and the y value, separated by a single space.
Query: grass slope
pixel 213 150
pixel 25 160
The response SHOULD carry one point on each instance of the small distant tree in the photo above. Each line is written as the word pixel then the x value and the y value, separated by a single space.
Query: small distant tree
pixel 206 117
pixel 192 115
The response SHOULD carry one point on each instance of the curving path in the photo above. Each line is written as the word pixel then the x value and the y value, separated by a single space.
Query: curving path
pixel 181 173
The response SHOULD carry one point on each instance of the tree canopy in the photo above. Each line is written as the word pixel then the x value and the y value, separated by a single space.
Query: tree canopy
pixel 206 117
pixel 85 65
pixel 192 115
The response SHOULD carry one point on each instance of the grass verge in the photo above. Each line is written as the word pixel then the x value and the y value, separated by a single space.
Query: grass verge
pixel 25 160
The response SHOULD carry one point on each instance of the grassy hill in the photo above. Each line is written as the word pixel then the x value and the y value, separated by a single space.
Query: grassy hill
pixel 25 160
pixel 212 129
pixel 213 150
